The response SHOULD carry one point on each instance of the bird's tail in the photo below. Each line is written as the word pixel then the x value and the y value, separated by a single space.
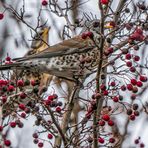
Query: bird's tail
pixel 10 66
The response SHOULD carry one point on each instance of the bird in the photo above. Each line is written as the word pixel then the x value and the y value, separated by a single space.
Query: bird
pixel 72 59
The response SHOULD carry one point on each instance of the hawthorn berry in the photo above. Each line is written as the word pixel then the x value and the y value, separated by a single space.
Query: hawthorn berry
pixel 129 112
pixel 115 99
pixel 4 99
pixel 90 34
pixel 139 84
pixel 105 92
pixel 84 35
pixel 13 124
pixel 129 64
pixel 143 78
pixel 133 96
pixel 133 81
pixel 132 117
pixel 102 87
pixel 8 58
pixel 35 135
pixel 22 106
pixel 1 128
pixel 132 69
pixel 129 87
pixel 104 2
pixel 10 88
pixel 23 115
pixel 22 95
pixel 58 109
pixel 110 50
pixel 142 145
pixel 35 141
pixel 40 144
pixel 123 87
pixel 137 141
pixel 111 123
pixel 7 142
pixel 112 140
pixel 44 2
pixel 106 117
pixel 136 113
pixel 101 140
pixel 113 84
pixel 128 56
pixel 136 58
pixel 101 123
pixel 1 16
pixel 50 136
pixel 135 106
pixel 20 83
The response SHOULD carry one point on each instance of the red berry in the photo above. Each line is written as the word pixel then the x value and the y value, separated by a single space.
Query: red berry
pixel 142 145
pixel 44 2
pixel 4 99
pixel 22 106
pixel 132 69
pixel 40 144
pixel 101 140
pixel 23 115
pixel 1 16
pixel 106 117
pixel 110 50
pixel 13 124
pixel 129 87
pixel 1 128
pixel 101 123
pixel 129 64
pixel 111 123
pixel 103 87
pixel 132 117
pixel 111 140
pixel 90 34
pixel 123 87
pixel 113 84
pixel 11 88
pixel 143 78
pixel 139 84
pixel 133 81
pixel 50 136
pixel 7 142
pixel 105 92
pixel 32 82
pixel 20 83
pixel 133 96
pixel 8 59
pixel 136 58
pixel 115 99
pixel 105 2
pixel 23 95
pixel 136 141
pixel 128 56
pixel 58 109
pixel 35 135
pixel 84 35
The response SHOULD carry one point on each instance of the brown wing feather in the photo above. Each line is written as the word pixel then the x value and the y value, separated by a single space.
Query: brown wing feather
pixel 70 46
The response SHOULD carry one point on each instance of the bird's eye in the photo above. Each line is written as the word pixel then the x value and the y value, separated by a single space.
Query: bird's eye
pixel 96 24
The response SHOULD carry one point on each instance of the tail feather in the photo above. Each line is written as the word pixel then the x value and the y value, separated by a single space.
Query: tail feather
pixel 10 66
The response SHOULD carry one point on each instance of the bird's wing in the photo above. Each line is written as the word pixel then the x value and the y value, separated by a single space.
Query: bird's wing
pixel 71 46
